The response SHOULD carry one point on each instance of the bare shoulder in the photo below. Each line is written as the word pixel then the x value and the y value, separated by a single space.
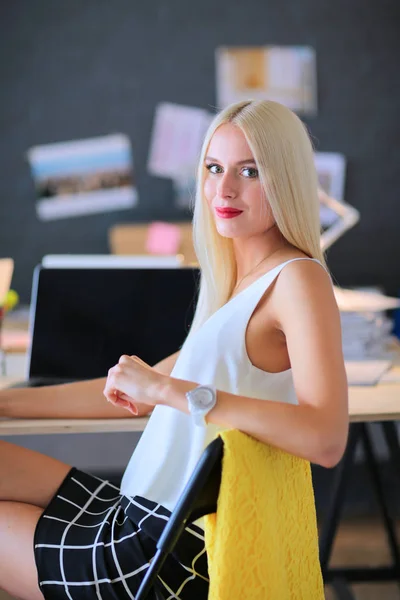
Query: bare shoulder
pixel 303 285
pixel 305 269
pixel 306 312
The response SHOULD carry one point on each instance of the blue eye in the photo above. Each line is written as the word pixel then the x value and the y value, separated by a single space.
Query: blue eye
pixel 252 173
pixel 213 168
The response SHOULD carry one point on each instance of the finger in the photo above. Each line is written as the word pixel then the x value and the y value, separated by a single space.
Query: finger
pixel 110 392
pixel 125 397
pixel 140 361
pixel 116 400
pixel 133 409
pixel 107 392
pixel 128 405
pixel 111 397
pixel 137 407
pixel 124 359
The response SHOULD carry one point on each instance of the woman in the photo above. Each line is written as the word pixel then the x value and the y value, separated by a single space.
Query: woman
pixel 263 355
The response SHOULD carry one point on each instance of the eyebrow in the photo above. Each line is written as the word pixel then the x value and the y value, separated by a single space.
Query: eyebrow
pixel 240 162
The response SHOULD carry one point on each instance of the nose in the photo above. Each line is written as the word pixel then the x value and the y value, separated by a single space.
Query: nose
pixel 227 187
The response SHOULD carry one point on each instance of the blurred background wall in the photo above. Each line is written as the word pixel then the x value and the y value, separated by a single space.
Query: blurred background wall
pixel 84 68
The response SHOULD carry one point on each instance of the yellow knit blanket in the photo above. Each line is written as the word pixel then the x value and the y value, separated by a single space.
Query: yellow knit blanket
pixel 262 543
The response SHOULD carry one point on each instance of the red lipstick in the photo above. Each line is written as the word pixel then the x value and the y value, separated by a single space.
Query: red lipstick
pixel 228 213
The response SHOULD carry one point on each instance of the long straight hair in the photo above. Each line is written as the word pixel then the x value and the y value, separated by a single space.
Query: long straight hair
pixel 283 152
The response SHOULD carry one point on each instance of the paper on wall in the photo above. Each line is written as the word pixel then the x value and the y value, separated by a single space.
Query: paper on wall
pixel 83 177
pixel 185 192
pixel 176 141
pixel 285 74
pixel 336 216
pixel 331 168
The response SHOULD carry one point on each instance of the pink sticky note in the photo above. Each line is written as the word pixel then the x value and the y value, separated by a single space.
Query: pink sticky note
pixel 163 238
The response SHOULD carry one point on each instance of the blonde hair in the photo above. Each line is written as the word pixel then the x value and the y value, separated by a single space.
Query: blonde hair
pixel 283 152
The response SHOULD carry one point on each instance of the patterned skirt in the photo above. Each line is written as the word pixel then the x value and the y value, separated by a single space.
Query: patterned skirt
pixel 93 543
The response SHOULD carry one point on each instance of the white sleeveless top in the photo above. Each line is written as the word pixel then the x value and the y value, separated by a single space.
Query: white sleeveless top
pixel 215 354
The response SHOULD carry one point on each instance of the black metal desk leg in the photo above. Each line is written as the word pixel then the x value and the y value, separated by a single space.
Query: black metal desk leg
pixel 388 521
pixel 331 520
pixel 341 589
pixel 392 441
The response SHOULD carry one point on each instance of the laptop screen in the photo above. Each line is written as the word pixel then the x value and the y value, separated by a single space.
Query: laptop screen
pixel 83 319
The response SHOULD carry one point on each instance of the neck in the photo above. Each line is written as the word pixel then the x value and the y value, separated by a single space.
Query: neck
pixel 251 251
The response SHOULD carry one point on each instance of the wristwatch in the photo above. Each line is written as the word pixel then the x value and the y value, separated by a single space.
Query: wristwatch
pixel 200 401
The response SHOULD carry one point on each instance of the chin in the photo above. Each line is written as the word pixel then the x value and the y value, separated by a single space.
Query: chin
pixel 229 232
pixel 233 231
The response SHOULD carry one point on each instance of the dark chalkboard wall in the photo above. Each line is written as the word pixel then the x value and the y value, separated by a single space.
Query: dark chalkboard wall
pixel 80 68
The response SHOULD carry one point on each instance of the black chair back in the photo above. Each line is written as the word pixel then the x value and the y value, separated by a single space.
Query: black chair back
pixel 199 498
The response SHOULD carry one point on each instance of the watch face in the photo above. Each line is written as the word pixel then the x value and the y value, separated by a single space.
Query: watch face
pixel 203 397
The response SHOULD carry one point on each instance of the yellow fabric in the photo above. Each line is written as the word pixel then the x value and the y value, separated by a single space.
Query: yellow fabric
pixel 262 543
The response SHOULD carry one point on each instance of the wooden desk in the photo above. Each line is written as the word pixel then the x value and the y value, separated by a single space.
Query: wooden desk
pixel 49 426
pixel 377 402
pixel 366 404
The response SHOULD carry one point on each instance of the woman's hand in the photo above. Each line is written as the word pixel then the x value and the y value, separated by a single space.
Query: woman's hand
pixel 133 384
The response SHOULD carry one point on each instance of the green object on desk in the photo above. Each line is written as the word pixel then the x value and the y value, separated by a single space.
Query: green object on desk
pixel 9 302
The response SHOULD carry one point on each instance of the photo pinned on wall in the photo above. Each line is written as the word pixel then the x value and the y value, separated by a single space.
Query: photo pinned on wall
pixel 331 170
pixel 185 192
pixel 82 177
pixel 330 167
pixel 177 136
pixel 285 74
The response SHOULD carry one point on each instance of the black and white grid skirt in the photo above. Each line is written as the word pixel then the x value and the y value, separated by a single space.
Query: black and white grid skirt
pixel 93 543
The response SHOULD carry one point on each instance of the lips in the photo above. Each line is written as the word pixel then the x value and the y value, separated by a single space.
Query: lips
pixel 228 213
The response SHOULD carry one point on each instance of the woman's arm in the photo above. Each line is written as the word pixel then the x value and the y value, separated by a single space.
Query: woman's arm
pixel 78 400
pixel 316 429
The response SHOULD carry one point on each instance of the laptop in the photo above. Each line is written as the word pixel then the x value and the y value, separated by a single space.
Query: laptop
pixel 84 318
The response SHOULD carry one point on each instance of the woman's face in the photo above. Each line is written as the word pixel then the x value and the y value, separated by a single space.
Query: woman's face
pixel 232 186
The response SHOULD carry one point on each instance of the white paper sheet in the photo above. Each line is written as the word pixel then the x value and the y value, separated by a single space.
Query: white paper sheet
pixel 392 376
pixel 367 372
pixel 360 301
